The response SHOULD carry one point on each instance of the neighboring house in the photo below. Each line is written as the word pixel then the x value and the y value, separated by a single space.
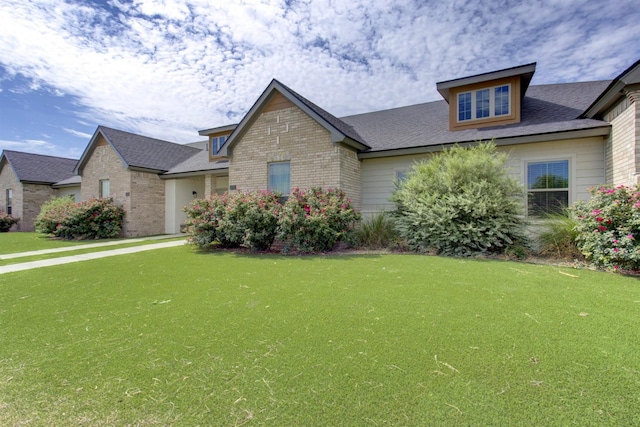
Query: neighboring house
pixel 127 168
pixel 562 139
pixel 28 180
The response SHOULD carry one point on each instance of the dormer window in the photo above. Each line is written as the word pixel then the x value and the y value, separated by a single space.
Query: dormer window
pixel 216 143
pixel 484 103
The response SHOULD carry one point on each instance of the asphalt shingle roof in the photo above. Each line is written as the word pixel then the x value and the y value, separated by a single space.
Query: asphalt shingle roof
pixel 148 153
pixel 198 163
pixel 545 109
pixel 40 168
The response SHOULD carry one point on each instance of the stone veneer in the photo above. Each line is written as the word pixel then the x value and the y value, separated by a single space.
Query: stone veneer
pixel 141 194
pixel 623 145
pixel 289 134
pixel 9 181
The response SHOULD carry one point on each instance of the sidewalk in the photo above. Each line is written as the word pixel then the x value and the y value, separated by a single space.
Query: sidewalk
pixel 85 257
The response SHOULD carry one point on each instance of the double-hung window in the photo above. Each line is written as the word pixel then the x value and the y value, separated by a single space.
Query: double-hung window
pixel 280 177
pixel 9 201
pixel 547 187
pixel 484 103
pixel 105 188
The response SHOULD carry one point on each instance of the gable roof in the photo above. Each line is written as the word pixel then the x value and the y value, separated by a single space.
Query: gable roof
pixel 139 152
pixel 613 92
pixel 340 131
pixel 38 168
pixel 548 111
pixel 524 71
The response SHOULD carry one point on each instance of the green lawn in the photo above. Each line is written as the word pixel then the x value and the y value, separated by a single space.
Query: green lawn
pixel 13 242
pixel 176 337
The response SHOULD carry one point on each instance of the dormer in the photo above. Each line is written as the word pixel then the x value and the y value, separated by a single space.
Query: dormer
pixel 217 137
pixel 488 99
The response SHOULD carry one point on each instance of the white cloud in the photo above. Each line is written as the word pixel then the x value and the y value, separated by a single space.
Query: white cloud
pixel 78 133
pixel 30 146
pixel 168 68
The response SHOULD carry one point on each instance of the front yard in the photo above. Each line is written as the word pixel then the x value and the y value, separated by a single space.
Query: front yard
pixel 177 337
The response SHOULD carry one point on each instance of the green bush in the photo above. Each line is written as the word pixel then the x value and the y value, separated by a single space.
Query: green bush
pixel 248 219
pixel 314 220
pixel 7 221
pixel 92 219
pixel 559 236
pixel 53 213
pixel 609 227
pixel 377 231
pixel 460 202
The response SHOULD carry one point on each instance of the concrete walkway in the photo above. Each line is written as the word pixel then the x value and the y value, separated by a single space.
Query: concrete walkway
pixel 85 257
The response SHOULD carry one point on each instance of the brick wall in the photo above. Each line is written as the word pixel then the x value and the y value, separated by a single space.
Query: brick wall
pixel 33 197
pixel 9 180
pixel 621 149
pixel 288 134
pixel 140 194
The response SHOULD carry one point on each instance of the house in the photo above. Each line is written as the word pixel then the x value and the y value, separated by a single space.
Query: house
pixel 562 139
pixel 28 180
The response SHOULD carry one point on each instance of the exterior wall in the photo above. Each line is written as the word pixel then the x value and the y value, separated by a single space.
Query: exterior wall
pixel 141 194
pixel 586 160
pixel 33 197
pixel 288 134
pixel 622 144
pixel 69 191
pixel 9 181
pixel 179 193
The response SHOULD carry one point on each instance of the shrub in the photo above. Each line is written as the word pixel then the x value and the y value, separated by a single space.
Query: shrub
pixel 377 231
pixel 92 219
pixel 314 220
pixel 559 236
pixel 460 202
pixel 609 227
pixel 248 219
pixel 7 221
pixel 205 222
pixel 52 213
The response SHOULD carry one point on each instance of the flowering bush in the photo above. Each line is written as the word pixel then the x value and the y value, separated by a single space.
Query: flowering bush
pixel 92 219
pixel 248 219
pixel 53 213
pixel 609 226
pixel 6 222
pixel 313 220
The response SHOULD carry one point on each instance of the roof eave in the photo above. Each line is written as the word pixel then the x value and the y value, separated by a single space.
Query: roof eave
pixel 88 151
pixel 226 128
pixel 630 76
pixel 525 71
pixel 214 172
pixel 601 131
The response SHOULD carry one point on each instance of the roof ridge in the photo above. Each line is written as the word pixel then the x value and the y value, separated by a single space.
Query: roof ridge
pixel 38 154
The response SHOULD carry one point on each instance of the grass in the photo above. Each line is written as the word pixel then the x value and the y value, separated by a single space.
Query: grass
pixel 173 337
pixel 14 242
pixel 78 249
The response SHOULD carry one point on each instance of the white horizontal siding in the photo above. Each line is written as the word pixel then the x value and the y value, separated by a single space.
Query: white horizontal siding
pixel 586 155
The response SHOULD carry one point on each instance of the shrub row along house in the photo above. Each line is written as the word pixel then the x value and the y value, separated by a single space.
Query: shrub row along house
pixel 561 138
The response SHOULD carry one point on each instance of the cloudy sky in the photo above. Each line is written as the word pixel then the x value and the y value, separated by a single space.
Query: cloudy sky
pixel 167 68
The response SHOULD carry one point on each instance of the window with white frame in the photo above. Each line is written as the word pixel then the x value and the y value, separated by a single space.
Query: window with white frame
pixel 280 177
pixel 216 143
pixel 105 188
pixel 484 103
pixel 9 201
pixel 547 187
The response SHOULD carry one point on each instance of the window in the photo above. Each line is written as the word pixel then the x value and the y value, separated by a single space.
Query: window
pixel 105 189
pixel 9 201
pixel 484 103
pixel 401 175
pixel 216 143
pixel 548 187
pixel 280 177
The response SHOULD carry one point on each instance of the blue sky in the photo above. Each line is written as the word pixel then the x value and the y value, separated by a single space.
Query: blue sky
pixel 167 68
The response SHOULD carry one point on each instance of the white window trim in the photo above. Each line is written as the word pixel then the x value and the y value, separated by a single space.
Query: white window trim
pixel 550 158
pixel 492 104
